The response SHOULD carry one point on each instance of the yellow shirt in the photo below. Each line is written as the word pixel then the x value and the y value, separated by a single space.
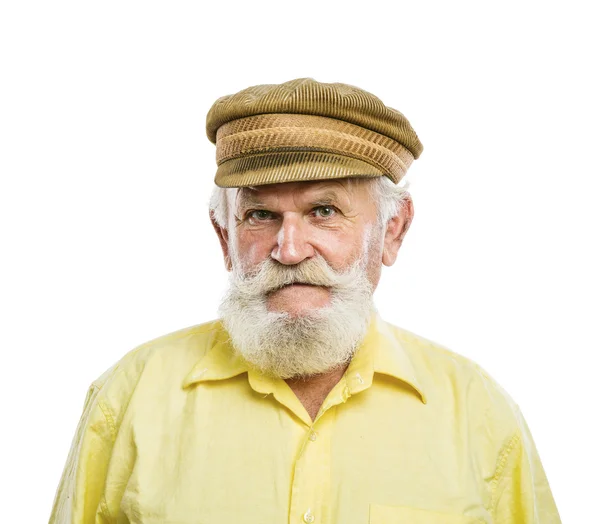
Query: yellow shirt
pixel 181 431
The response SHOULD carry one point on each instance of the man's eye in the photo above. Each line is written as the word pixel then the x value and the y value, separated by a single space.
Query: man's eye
pixel 324 211
pixel 260 214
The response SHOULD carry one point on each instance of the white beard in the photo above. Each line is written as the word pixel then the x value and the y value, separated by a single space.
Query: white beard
pixel 284 346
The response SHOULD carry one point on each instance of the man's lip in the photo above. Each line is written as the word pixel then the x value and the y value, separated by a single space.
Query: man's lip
pixel 296 284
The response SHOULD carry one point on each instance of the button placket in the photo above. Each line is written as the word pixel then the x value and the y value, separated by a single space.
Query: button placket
pixel 312 474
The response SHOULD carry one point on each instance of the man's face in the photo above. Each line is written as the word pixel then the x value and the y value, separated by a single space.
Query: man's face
pixel 305 259
pixel 293 222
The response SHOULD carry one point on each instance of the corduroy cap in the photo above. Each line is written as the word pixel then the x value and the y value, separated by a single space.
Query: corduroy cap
pixel 305 130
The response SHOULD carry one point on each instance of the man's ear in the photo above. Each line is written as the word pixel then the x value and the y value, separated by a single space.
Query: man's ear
pixel 223 235
pixel 396 228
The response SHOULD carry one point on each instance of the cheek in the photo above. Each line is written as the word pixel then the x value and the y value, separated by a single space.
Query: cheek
pixel 340 249
pixel 252 249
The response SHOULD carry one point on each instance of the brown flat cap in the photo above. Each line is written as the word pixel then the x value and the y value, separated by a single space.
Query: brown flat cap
pixel 307 130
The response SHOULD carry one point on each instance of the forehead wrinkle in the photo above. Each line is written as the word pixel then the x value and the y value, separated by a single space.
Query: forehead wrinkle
pixel 344 187
pixel 326 192
pixel 335 191
pixel 247 197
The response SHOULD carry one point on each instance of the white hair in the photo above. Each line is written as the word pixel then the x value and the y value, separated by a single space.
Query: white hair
pixel 314 341
pixel 317 341
pixel 389 197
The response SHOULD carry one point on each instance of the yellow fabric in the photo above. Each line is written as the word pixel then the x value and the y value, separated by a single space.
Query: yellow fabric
pixel 181 431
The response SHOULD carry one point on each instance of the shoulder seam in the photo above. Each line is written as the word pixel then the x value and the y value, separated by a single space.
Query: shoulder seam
pixel 500 465
pixel 435 346
pixel 110 420
pixel 199 329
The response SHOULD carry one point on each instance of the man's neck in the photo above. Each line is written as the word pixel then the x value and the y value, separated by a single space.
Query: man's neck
pixel 312 391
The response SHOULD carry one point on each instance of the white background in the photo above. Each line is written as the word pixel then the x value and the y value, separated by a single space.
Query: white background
pixel 106 172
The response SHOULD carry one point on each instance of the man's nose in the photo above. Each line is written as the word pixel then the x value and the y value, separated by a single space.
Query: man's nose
pixel 293 245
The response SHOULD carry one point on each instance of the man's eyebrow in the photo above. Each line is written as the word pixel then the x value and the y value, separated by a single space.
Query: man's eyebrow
pixel 327 197
pixel 247 199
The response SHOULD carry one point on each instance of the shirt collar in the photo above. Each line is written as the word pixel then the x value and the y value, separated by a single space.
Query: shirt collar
pixel 219 363
pixel 380 352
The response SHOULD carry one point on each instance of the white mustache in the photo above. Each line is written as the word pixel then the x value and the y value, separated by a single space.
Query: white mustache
pixel 271 275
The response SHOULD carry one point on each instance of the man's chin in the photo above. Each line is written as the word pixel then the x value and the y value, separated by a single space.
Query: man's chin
pixel 298 313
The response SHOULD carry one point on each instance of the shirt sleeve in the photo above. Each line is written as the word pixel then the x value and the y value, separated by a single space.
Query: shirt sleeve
pixel 80 494
pixel 522 493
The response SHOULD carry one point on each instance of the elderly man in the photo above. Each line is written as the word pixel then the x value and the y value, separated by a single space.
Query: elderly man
pixel 300 404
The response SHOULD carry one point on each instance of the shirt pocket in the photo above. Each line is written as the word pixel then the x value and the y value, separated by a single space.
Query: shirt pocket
pixel 380 514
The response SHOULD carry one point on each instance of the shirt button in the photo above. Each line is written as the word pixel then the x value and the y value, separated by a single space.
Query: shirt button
pixel 308 517
pixel 312 435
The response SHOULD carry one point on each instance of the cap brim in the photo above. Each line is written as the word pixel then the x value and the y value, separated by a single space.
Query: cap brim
pixel 291 166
